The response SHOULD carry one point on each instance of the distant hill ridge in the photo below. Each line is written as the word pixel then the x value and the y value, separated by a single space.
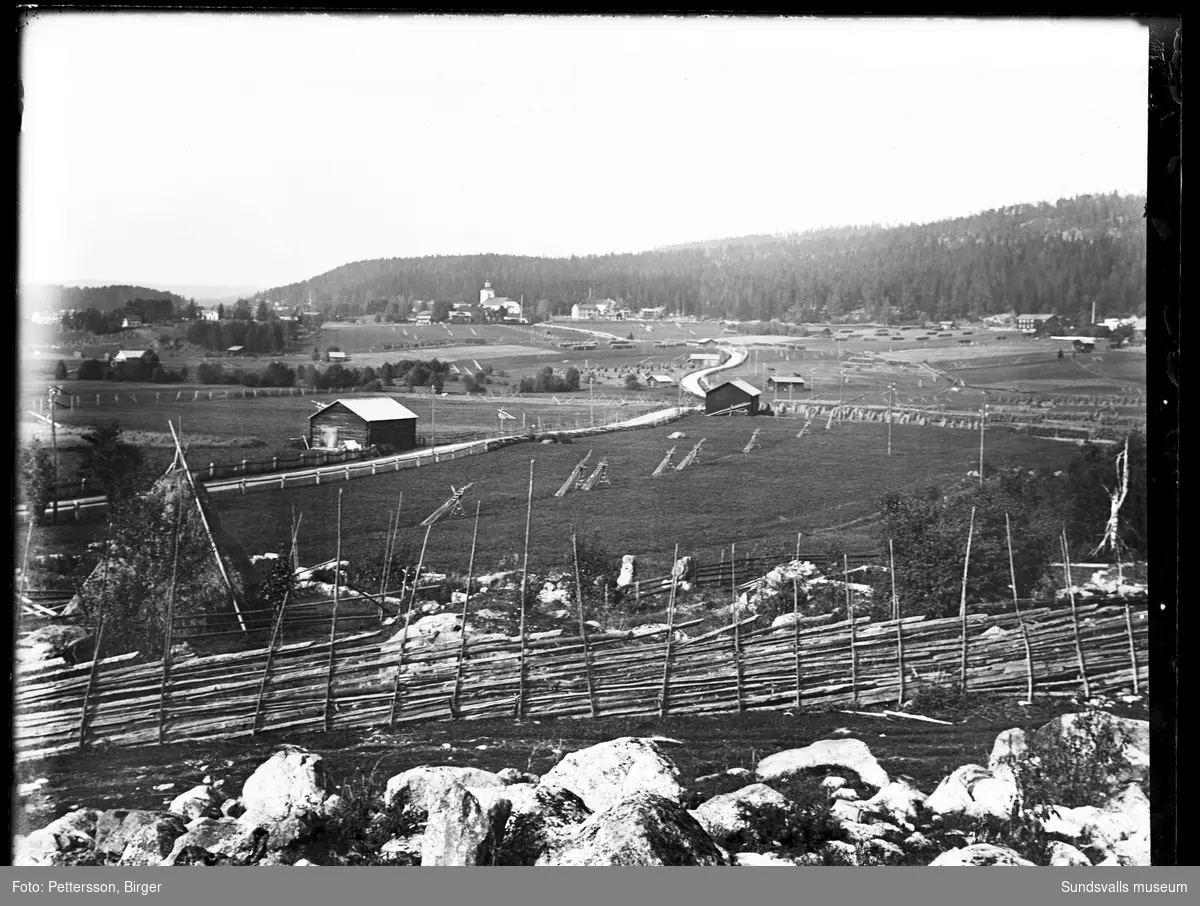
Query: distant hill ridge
pixel 42 296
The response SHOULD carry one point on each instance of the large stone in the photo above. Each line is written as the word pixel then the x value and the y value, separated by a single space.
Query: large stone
pixel 459 830
pixel 53 844
pixel 411 790
pixel 1009 752
pixel 290 795
pixel 732 819
pixel 850 754
pixel 1120 831
pixel 757 859
pixel 857 832
pixel 643 829
pixel 899 801
pixel 604 774
pixel 978 854
pixel 976 792
pixel 1072 740
pixel 1064 854
pixel 137 836
pixel 198 802
pixel 218 841
pixel 540 817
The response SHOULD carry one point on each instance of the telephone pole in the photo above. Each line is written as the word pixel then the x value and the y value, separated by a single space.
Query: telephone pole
pixel 891 393
pixel 982 422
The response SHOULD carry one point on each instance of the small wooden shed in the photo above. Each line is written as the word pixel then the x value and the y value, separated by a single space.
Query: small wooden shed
pixel 368 422
pixel 732 395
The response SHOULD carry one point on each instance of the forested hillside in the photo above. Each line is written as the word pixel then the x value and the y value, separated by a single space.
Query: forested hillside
pixel 40 297
pixel 1030 258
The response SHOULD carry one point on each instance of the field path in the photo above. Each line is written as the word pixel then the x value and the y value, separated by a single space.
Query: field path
pixel 691 382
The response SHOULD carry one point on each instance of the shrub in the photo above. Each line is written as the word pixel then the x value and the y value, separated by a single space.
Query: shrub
pixel 1074 770
pixel 90 370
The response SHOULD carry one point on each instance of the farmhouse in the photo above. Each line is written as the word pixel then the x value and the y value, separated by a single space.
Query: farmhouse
pixel 129 355
pixel 423 317
pixel 210 314
pixel 131 322
pixel 621 344
pixel 1139 330
pixel 365 422
pixel 783 382
pixel 236 350
pixel 1031 322
pixel 658 312
pixel 660 380
pixel 461 316
pixel 338 356
pixel 732 395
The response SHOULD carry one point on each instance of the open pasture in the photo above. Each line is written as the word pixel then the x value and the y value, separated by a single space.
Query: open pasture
pixel 813 485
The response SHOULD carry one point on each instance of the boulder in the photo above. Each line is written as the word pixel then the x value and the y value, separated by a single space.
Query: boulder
pixel 1120 831
pixel 847 794
pixel 512 775
pixel 540 818
pixel 233 808
pixel 412 789
pixel 290 795
pixel 843 810
pixel 978 854
pixel 1009 752
pixel 628 573
pixel 877 851
pixel 643 829
pixel 218 841
pixel 683 569
pixel 1064 855
pixel 604 774
pixel 832 784
pixel 850 754
pixel 977 792
pixel 858 832
pixel 899 801
pixel 58 841
pixel 733 819
pixel 137 836
pixel 460 830
pixel 198 802
pixel 1072 738
pixel 52 641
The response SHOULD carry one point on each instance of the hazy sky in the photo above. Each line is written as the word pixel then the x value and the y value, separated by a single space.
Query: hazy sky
pixel 262 150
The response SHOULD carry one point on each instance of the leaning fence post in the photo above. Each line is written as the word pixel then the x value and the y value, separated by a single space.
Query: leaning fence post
pixel 853 630
pixel 170 628
pixel 1087 692
pixel 663 702
pixel 262 685
pixel 962 609
pixel 91 683
pixel 337 582
pixel 737 637
pixel 899 629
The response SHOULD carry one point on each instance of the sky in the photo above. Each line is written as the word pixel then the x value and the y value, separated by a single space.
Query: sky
pixel 260 150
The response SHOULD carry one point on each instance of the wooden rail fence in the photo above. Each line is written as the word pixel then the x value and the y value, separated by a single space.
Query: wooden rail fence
pixel 364 680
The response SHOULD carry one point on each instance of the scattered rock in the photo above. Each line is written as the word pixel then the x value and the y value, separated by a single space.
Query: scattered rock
pixel 1064 854
pixel 845 793
pixel 137 836
pixel 54 844
pixel 733 818
pixel 411 790
pixel 233 808
pixel 460 830
pixel 628 573
pixel 604 774
pixel 757 859
pixel 979 854
pixel 198 802
pixel 290 795
pixel 975 791
pixel 899 801
pixel 832 784
pixel 643 829
pixel 1071 735
pixel 541 817
pixel 210 840
pixel 851 754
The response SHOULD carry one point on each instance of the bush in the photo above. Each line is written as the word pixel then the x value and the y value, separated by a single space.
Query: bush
pixel 1074 771
pixel 37 479
pixel 60 371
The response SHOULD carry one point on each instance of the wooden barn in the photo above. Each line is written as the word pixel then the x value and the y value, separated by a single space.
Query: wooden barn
pixel 363 422
pixel 785 382
pixel 735 395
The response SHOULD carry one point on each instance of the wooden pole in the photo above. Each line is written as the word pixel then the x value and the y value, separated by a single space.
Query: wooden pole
pixel 962 607
pixel 1012 572
pixel 1087 692
pixel 663 702
pixel 393 534
pixel 91 683
pixel 262 684
pixel 982 422
pixel 337 584
pixel 170 627
pixel 462 647
pixel 208 529
pixel 891 392
pixel 796 640
pixel 853 633
pixel 407 621
pixel 899 631
pixel 737 634
pixel 583 632
pixel 520 709
pixel 25 560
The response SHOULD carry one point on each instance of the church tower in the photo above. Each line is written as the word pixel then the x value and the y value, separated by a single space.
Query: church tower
pixel 487 293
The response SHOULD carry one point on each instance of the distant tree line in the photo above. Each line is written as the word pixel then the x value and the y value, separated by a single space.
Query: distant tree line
pixel 260 337
pixel 1035 258
pixel 102 298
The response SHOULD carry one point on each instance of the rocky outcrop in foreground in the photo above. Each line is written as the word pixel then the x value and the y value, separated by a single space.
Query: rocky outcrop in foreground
pixel 622 803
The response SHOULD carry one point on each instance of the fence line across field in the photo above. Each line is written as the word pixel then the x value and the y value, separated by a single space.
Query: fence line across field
pixel 369 679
